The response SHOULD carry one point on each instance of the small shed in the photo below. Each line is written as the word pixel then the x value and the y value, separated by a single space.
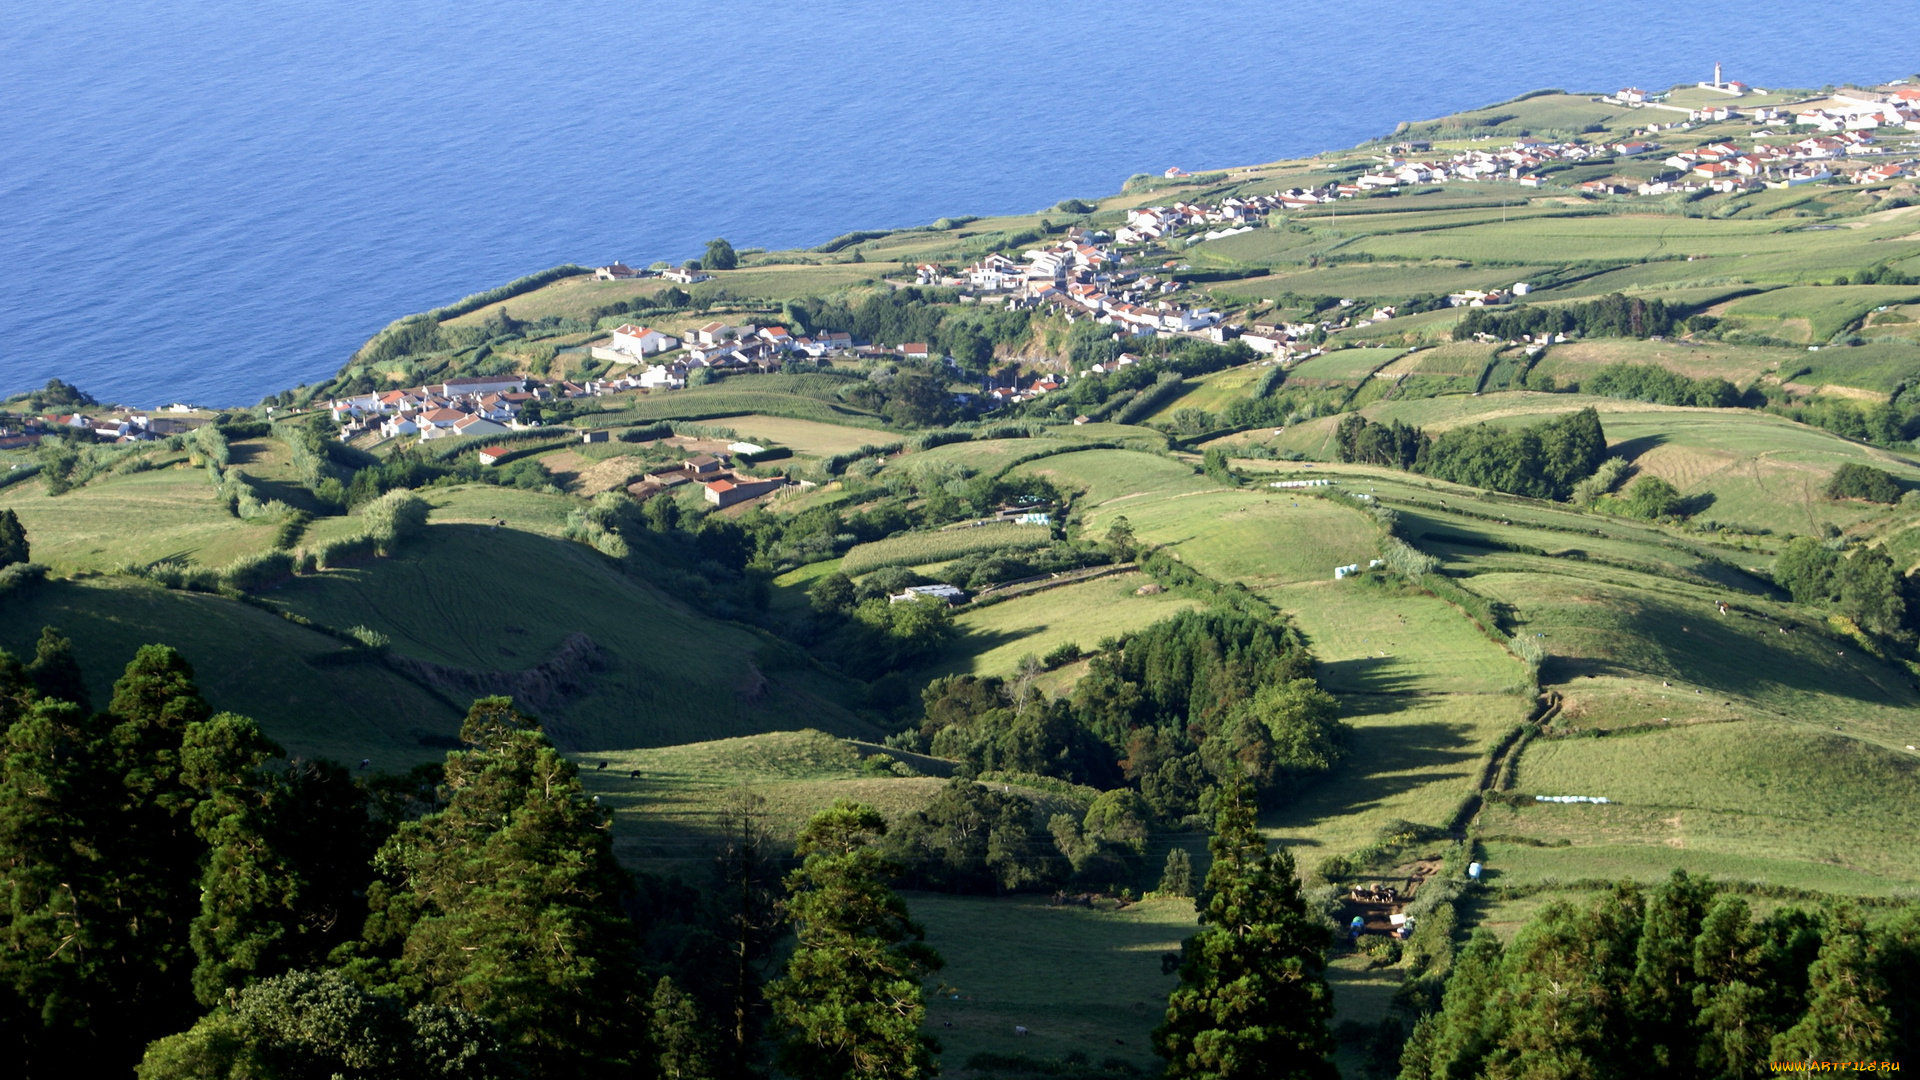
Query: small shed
pixel 492 455
pixel 593 436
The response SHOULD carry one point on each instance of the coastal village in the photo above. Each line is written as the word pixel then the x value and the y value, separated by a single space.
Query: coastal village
pixel 1131 279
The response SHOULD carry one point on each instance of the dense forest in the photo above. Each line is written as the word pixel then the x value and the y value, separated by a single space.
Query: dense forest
pixel 1686 978
pixel 1613 315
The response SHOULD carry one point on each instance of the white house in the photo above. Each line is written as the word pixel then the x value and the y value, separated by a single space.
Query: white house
pixel 662 377
pixel 632 344
pixel 687 277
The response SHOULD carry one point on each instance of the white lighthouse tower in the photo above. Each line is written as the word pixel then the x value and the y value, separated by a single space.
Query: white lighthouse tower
pixel 1717 84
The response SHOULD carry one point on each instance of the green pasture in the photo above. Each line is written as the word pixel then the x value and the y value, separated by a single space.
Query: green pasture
pixel 571 297
pixel 245 660
pixel 1113 476
pixel 1827 310
pixel 1378 281
pixel 1379 641
pixel 1076 978
pixel 170 513
pixel 1463 359
pixel 1784 801
pixel 497 602
pixel 1561 113
pixel 788 282
pixel 941 545
pixel 1627 651
pixel 1130 436
pixel 1214 391
pixel 1343 365
pixel 1258 536
pixel 1410 757
pixel 1879 367
pixel 994 638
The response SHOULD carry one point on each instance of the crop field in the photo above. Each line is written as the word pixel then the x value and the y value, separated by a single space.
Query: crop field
pixel 1379 279
pixel 1756 799
pixel 808 438
pixel 647 687
pixel 1258 536
pixel 993 639
pixel 1465 359
pixel 732 398
pixel 1776 254
pixel 245 660
pixel 917 548
pixel 169 513
pixel 988 456
pixel 1104 476
pixel 1343 365
pixel 1740 365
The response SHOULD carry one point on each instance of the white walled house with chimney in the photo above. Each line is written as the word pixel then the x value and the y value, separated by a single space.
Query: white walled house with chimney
pixel 631 344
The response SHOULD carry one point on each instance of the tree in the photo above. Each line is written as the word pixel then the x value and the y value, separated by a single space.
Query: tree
pixel 249 892
pixel 13 539
pixel 1870 591
pixel 1120 541
pixel 849 1004
pixel 1176 877
pixel 747 905
pixel 55 672
pixel 506 903
pixel 1651 497
pixel 1808 569
pixel 1847 1017
pixel 1660 995
pixel 315 1025
pixel 1253 998
pixel 682 1039
pixel 60 944
pixel 720 255
pixel 920 400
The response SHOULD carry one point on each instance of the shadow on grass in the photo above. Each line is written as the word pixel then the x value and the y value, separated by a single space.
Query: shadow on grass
pixel 1382 762
pixel 1369 675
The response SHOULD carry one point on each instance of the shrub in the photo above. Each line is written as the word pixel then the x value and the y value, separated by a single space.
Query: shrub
pixel 251 572
pixel 1856 481
pixel 394 518
pixel 336 553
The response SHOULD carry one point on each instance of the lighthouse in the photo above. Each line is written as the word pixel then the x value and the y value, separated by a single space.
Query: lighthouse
pixel 1716 75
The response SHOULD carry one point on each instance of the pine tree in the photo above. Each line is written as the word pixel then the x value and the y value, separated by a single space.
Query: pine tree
pixel 747 909
pixel 1176 877
pixel 507 903
pixel 1730 1016
pixel 55 672
pixel 1456 1040
pixel 1253 998
pixel 1560 1001
pixel 1847 1017
pixel 13 539
pixel 682 1040
pixel 249 893
pixel 850 1002
pixel 1660 995
pixel 59 942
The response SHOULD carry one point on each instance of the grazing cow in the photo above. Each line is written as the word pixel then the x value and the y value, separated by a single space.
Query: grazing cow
pixel 1018 1030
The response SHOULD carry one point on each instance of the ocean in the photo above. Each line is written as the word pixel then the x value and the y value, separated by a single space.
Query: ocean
pixel 214 201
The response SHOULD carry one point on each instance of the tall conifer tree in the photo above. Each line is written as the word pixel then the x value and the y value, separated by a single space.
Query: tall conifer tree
pixel 850 1002
pixel 1253 998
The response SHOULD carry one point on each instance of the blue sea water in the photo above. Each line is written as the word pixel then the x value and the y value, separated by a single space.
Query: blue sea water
pixel 215 200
